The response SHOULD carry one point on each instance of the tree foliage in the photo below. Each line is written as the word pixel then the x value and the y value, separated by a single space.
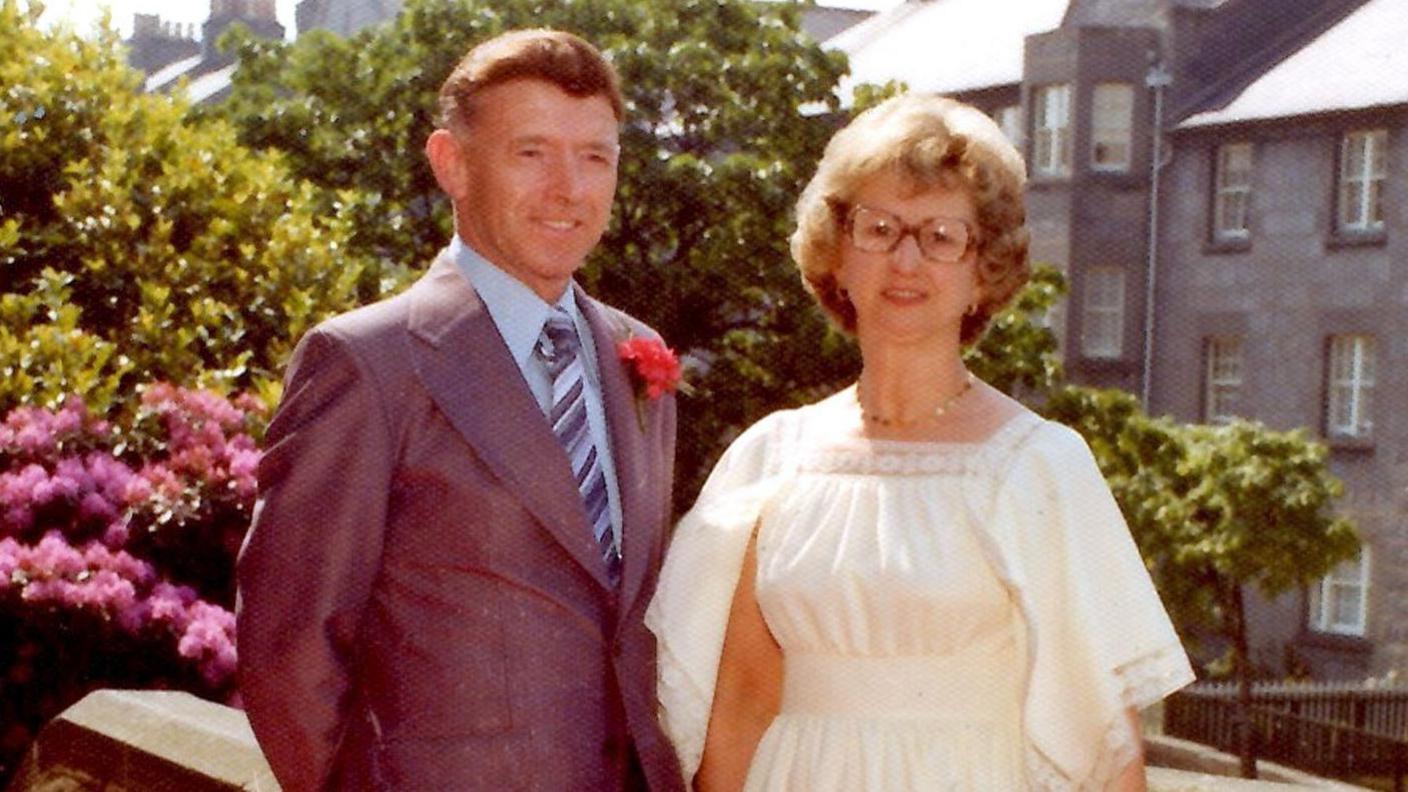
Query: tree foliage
pixel 714 151
pixel 153 244
pixel 1216 510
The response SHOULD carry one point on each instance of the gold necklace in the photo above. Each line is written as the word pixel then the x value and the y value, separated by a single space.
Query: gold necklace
pixel 890 422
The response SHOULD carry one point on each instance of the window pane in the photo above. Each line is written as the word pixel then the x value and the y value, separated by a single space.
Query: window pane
pixel 1363 168
pixel 1223 376
pixel 1233 179
pixel 1103 329
pixel 1347 603
pixel 1349 391
pixel 1337 603
pixel 1112 110
pixel 1377 145
pixel 1051 132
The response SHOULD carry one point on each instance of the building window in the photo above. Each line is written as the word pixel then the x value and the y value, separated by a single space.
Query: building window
pixel 1222 376
pixel 1103 328
pixel 1233 191
pixel 1339 603
pixel 1051 131
pixel 1111 119
pixel 1363 171
pixel 1009 120
pixel 1350 400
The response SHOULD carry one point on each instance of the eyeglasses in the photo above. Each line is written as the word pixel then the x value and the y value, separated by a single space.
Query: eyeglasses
pixel 940 239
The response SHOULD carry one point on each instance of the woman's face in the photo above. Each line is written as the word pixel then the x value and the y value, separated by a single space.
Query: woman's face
pixel 904 295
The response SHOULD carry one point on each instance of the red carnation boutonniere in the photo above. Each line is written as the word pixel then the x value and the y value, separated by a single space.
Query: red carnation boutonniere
pixel 655 370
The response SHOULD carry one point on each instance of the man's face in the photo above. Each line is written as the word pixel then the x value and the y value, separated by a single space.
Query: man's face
pixel 540 173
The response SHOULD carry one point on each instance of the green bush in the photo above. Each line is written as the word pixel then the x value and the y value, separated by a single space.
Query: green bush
pixel 160 245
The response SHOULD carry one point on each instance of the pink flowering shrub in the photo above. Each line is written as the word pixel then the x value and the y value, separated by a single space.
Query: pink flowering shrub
pixel 117 549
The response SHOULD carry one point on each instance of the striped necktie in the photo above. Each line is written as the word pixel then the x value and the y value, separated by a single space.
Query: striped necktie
pixel 559 347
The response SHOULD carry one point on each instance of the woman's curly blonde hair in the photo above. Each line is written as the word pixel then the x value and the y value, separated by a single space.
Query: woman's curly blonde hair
pixel 932 141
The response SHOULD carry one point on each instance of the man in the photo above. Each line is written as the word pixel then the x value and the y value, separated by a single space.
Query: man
pixel 463 505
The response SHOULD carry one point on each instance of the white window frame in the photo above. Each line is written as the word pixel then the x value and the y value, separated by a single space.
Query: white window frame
pixel 1351 368
pixel 1222 378
pixel 1232 191
pixel 1102 326
pixel 1051 130
pixel 1324 597
pixel 1363 171
pixel 1009 120
pixel 1111 127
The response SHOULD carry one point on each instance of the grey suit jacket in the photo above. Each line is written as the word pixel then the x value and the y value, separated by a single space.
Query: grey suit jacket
pixel 422 605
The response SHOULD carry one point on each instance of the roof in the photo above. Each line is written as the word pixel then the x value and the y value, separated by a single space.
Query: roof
pixel 945 46
pixel 211 85
pixel 167 75
pixel 1362 62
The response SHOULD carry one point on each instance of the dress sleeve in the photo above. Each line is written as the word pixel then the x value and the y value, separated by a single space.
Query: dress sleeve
pixel 1099 640
pixel 689 612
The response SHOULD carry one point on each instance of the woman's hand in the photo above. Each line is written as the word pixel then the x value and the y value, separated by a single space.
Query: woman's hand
pixel 1132 778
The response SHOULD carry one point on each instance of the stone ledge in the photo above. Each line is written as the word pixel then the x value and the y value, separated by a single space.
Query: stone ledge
pixel 1177 765
pixel 164 741
pixel 149 740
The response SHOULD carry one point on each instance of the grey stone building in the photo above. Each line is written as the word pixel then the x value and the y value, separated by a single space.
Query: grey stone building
pixel 1258 270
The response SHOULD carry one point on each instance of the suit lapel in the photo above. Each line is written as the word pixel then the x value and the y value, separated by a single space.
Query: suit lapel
pixel 628 450
pixel 462 361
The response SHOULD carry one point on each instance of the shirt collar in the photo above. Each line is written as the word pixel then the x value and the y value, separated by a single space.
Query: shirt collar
pixel 518 312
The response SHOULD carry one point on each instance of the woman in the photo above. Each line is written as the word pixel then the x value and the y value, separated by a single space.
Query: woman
pixel 916 583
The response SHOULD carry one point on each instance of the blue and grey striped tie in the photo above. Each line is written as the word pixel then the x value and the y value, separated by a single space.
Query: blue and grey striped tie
pixel 559 346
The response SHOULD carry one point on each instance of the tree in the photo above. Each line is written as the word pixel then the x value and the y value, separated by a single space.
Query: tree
pixel 1019 354
pixel 1215 510
pixel 714 151
pixel 136 244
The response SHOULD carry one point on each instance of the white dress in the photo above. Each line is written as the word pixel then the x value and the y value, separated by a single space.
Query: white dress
pixel 899 580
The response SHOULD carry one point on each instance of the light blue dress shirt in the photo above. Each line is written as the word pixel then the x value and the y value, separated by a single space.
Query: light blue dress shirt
pixel 519 314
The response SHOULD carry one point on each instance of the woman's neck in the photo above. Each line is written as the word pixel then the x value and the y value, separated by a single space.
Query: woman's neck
pixel 905 385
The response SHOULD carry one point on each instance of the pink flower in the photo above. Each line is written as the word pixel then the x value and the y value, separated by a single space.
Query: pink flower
pixel 19 519
pixel 110 476
pixel 95 507
pixel 43 591
pixel 34 439
pixel 18 488
pixel 138 489
pixel 209 639
pixel 157 392
pixel 116 534
pixel 55 557
pixel 9 560
pixel 250 404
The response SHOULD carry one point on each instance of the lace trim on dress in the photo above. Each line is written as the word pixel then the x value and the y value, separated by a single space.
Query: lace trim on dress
pixel 1142 682
pixel 1152 677
pixel 867 456
pixel 879 462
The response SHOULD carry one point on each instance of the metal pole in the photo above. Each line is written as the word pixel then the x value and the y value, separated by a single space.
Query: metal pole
pixel 1158 78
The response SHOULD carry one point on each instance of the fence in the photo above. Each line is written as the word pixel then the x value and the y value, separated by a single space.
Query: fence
pixel 1337 730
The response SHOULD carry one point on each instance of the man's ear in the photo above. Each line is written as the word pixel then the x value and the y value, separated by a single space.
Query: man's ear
pixel 445 153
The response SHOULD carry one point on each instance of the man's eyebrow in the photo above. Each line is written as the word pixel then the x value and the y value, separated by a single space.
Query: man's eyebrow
pixel 535 139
